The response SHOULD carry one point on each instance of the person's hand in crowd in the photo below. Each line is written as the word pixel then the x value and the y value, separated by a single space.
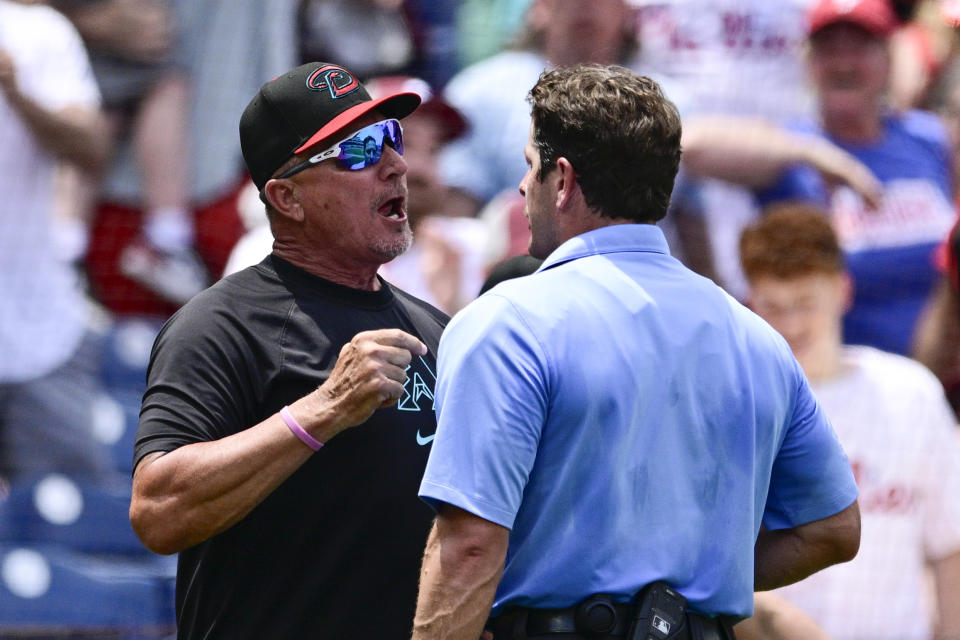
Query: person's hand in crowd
pixel 775 618
pixel 137 30
pixel 8 73
pixel 841 168
pixel 369 374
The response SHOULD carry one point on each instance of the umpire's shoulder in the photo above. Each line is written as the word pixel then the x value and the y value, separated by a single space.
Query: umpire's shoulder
pixel 511 300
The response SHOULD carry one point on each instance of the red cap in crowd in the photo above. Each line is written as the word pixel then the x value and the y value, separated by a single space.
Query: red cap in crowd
pixel 430 103
pixel 876 16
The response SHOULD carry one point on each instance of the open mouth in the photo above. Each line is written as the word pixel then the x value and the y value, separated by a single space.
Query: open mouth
pixel 393 209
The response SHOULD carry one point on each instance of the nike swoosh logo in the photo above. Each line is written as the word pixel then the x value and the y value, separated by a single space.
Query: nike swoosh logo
pixel 423 440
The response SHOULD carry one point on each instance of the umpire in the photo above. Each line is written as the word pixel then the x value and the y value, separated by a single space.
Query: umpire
pixel 289 407
pixel 623 450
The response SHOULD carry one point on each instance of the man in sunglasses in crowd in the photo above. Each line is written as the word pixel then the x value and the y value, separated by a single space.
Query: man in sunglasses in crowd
pixel 289 408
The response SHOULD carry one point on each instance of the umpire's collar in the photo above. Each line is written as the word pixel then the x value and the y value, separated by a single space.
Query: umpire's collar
pixel 616 238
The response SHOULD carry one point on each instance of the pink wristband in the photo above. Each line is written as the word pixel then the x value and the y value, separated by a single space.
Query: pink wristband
pixel 298 431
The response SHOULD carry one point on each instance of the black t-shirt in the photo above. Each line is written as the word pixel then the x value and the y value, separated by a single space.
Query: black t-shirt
pixel 333 552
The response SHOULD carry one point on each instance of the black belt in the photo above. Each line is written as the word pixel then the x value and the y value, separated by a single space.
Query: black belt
pixel 596 618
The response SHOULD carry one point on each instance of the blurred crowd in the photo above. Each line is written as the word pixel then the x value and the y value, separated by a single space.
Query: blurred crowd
pixel 125 193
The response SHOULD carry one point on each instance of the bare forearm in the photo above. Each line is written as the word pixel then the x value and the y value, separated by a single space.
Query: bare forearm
pixel 947 577
pixel 786 556
pixel 458 580
pixel 188 495
pixel 780 558
pixel 755 153
pixel 937 337
pixel 745 151
pixel 161 134
pixel 197 491
pixel 75 135
pixel 776 619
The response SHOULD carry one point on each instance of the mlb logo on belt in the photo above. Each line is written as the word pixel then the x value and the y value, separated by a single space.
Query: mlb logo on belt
pixel 661 625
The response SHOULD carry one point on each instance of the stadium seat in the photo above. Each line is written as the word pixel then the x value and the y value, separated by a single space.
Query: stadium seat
pixel 127 352
pixel 48 592
pixel 115 415
pixel 54 509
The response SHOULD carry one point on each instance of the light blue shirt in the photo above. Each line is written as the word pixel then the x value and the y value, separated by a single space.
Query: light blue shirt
pixel 628 421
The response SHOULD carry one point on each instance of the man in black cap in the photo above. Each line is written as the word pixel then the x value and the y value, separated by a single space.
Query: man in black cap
pixel 283 529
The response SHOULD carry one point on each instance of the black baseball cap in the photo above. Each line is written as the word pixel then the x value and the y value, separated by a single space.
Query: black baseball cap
pixel 303 107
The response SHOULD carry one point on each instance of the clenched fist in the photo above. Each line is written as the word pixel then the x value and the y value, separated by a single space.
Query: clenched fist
pixel 369 374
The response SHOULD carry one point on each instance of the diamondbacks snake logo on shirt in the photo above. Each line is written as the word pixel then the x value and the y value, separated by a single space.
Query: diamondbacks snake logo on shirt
pixel 418 393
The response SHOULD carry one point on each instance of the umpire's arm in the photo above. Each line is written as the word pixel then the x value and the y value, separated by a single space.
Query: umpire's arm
pixel 784 556
pixel 462 566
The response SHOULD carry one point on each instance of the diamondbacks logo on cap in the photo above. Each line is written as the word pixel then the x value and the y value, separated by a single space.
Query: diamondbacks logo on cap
pixel 337 80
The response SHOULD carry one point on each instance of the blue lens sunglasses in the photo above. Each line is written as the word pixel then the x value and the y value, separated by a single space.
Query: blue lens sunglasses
pixel 361 150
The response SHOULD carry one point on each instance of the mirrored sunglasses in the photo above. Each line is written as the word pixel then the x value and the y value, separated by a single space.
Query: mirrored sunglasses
pixel 361 150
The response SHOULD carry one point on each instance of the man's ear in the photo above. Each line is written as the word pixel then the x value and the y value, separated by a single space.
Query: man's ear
pixel 282 196
pixel 567 185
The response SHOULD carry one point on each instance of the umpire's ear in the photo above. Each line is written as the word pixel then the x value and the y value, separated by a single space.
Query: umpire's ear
pixel 568 189
pixel 282 194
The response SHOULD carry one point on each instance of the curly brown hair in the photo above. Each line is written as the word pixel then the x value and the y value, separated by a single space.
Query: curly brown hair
pixel 617 129
pixel 789 241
